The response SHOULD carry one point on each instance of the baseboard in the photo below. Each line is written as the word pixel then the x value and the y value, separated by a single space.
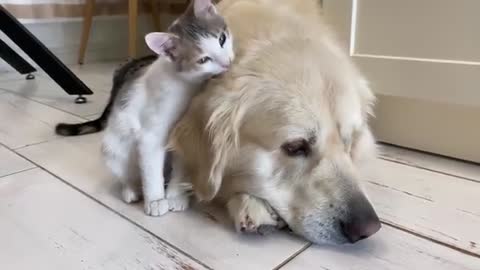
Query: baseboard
pixel 108 38
pixel 444 129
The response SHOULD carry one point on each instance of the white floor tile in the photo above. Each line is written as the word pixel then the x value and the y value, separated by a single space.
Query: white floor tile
pixel 9 76
pixel 93 116
pixel 48 225
pixel 12 163
pixel 24 122
pixel 77 160
pixel 389 249
pixel 100 73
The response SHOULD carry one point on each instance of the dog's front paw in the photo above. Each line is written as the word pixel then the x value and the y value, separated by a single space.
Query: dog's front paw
pixel 252 215
pixel 246 224
pixel 156 208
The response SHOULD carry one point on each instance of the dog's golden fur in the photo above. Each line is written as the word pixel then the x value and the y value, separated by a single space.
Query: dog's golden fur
pixel 290 81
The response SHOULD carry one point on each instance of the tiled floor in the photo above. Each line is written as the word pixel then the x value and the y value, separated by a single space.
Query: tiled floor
pixel 60 210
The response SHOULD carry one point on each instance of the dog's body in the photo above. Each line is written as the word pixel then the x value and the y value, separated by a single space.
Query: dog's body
pixel 285 128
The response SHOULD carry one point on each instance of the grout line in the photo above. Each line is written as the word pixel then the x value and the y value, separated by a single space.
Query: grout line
pixel 435 241
pixel 89 117
pixel 293 256
pixel 21 79
pixel 10 80
pixel 59 109
pixel 112 210
pixel 21 171
pixel 35 143
pixel 428 169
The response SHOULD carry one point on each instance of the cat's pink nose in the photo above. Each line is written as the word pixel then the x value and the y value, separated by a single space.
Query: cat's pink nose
pixel 227 65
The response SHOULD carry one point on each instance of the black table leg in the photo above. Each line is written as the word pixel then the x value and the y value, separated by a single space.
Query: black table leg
pixel 16 61
pixel 41 55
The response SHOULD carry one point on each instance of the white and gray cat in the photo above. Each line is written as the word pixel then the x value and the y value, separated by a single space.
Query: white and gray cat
pixel 149 95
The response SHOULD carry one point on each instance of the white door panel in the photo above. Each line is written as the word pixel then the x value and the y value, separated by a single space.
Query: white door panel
pixel 434 82
pixel 431 29
pixel 423 61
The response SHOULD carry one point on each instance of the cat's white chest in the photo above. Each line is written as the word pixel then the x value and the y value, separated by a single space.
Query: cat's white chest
pixel 164 105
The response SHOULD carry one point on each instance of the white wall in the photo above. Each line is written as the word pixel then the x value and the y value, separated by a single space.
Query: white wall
pixel 108 38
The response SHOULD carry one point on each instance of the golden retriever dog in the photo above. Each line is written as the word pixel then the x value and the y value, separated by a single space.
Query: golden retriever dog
pixel 285 131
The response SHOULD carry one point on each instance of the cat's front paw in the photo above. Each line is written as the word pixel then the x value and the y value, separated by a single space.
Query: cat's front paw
pixel 156 208
pixel 130 195
pixel 179 203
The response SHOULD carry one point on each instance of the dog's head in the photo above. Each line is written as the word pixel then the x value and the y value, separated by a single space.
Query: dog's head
pixel 287 124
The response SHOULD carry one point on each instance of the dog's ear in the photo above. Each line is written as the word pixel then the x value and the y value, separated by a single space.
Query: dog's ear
pixel 363 148
pixel 205 139
pixel 362 145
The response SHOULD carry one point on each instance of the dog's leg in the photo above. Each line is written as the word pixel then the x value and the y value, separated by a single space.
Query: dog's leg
pixel 252 215
pixel 179 188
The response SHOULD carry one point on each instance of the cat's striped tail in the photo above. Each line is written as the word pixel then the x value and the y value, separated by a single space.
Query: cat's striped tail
pixel 89 127
pixel 127 72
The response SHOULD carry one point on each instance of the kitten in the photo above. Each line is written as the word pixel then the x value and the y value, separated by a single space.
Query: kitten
pixel 149 95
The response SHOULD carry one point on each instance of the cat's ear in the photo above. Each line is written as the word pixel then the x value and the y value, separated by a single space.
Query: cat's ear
pixel 165 44
pixel 203 8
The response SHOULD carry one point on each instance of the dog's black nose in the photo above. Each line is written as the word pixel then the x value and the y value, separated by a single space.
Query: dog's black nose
pixel 362 221
pixel 356 231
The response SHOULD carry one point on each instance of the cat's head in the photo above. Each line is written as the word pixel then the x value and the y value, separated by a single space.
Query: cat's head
pixel 199 42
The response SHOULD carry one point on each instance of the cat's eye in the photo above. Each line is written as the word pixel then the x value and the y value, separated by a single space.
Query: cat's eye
pixel 204 60
pixel 222 39
pixel 297 148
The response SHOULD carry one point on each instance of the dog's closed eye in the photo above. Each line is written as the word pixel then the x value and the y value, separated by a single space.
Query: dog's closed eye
pixel 297 148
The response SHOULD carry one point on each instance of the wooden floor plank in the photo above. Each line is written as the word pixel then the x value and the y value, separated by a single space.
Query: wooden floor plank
pixel 434 205
pixel 46 225
pixel 465 170
pixel 390 249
